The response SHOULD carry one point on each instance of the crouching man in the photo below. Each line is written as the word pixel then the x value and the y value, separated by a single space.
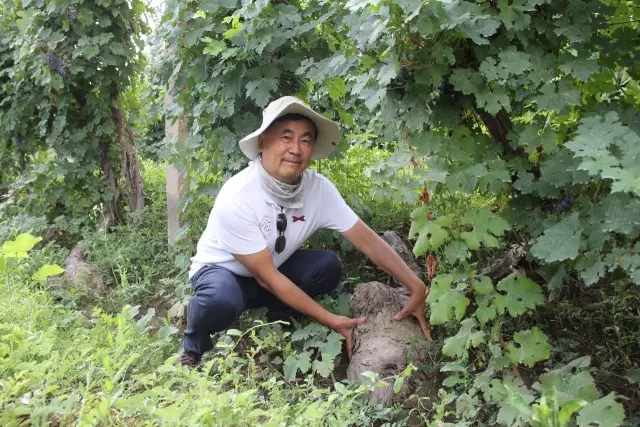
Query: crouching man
pixel 249 254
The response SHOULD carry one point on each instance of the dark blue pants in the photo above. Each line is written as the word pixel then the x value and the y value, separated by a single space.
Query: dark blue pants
pixel 221 296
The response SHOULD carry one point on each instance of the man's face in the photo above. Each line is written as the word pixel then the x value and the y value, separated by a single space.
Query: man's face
pixel 286 149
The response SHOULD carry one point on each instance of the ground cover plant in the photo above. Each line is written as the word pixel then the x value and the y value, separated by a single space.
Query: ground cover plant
pixel 471 128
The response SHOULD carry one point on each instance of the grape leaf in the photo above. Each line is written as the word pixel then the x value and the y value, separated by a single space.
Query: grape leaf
pixel 533 347
pixel 323 366
pixel 336 87
pixel 483 285
pixel 591 267
pixel 493 100
pixel 558 170
pixel 466 180
pixel 512 62
pixel 443 299
pixel 496 178
pixel 570 381
pixel 485 311
pixel 431 234
pixel 486 225
pixel 521 293
pixel 559 242
pixel 466 338
pixel 581 68
pixel 605 412
pixel 558 99
pixel 296 362
pixel 332 346
pixel 513 14
pixel 466 81
pixel 456 251
pixel 260 90
pixel 596 134
pixel 530 138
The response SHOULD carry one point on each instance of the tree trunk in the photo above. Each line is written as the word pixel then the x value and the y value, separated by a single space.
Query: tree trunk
pixel 130 168
pixel 110 207
pixel 175 130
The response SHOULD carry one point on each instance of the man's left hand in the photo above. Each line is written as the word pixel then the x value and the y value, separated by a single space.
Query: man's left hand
pixel 416 306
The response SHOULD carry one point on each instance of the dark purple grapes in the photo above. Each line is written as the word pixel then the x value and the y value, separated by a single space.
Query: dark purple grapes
pixel 563 204
pixel 55 63
pixel 73 13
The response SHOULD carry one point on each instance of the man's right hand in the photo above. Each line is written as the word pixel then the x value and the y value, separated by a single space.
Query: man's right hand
pixel 344 326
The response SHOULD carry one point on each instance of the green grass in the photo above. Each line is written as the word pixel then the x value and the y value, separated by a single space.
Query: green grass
pixel 62 368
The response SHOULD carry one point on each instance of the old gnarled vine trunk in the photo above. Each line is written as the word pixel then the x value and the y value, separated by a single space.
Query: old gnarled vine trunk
pixel 384 345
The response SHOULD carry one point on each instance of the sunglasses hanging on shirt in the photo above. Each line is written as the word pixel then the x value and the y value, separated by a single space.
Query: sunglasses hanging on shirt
pixel 281 226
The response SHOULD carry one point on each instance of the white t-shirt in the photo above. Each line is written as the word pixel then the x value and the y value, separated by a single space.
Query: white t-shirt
pixel 243 221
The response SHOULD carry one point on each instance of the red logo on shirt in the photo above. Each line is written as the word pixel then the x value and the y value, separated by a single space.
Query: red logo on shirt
pixel 298 218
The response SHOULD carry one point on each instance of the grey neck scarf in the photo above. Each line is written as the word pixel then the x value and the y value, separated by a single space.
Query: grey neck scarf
pixel 285 195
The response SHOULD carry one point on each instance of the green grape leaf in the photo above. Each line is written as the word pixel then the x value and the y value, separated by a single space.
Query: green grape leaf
pixel 533 347
pixel 485 311
pixel 466 338
pixel 570 381
pixel 590 267
pixel 260 90
pixel 483 285
pixel 559 170
pixel 581 68
pixel 323 366
pixel 19 247
pixel 486 226
pixel 446 302
pixel 465 180
pixel 560 242
pixel 513 14
pixel 493 100
pixel 558 99
pixel 530 138
pixel 512 62
pixel 336 87
pixel 596 134
pixel 522 293
pixel 466 81
pixel 525 182
pixel 332 346
pixel 213 47
pixel 456 251
pixel 296 362
pixel 431 234
pixel 496 178
pixel 605 412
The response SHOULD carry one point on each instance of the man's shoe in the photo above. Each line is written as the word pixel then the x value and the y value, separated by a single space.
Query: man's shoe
pixel 188 358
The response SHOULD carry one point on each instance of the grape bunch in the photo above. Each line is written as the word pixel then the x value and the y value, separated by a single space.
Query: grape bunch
pixel 73 13
pixel 94 63
pixel 564 203
pixel 56 64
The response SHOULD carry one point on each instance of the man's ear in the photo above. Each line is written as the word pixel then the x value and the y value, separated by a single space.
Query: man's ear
pixel 260 142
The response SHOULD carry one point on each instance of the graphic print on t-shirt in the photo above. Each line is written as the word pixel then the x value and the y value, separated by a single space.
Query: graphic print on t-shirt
pixel 265 226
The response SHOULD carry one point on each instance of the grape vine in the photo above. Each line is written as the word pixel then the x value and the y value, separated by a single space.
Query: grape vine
pixel 64 141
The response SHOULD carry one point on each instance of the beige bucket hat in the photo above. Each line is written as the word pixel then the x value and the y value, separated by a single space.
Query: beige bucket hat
pixel 328 130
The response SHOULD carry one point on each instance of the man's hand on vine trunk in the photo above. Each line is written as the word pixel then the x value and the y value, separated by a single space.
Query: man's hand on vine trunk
pixel 416 306
pixel 344 326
